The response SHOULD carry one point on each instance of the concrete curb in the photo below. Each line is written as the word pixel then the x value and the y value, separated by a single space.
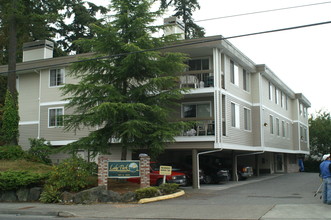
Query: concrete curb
pixel 37 213
pixel 159 198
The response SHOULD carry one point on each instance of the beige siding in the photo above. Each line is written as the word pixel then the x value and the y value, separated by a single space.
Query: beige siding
pixel 237 135
pixel 26 132
pixel 28 97
pixel 58 133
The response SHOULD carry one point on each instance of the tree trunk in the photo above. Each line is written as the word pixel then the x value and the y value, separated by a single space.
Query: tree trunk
pixel 124 153
pixel 11 80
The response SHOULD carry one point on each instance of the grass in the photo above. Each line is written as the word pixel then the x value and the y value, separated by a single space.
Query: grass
pixel 23 165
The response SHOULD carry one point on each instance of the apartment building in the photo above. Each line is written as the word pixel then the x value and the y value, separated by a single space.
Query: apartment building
pixel 244 112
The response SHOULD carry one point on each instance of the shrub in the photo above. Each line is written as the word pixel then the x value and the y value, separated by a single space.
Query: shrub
pixel 11 153
pixel 11 180
pixel 147 192
pixel 168 188
pixel 70 175
pixel 39 150
pixel 50 194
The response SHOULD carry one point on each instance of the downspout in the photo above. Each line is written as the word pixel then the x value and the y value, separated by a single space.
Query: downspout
pixel 198 166
pixel 39 104
pixel 248 154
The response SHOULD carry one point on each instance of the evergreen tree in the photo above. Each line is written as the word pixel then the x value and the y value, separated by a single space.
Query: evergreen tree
pixel 9 129
pixel 184 10
pixel 129 96
pixel 320 133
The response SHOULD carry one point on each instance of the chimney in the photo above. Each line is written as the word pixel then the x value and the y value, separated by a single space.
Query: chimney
pixel 174 26
pixel 37 50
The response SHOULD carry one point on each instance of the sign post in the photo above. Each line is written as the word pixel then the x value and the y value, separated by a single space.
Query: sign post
pixel 165 170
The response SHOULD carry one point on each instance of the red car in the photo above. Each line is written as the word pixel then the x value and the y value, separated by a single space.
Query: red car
pixel 156 179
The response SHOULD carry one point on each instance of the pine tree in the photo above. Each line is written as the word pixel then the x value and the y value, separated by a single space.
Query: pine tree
pixel 129 96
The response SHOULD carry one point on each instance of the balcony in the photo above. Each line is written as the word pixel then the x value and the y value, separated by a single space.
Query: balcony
pixel 201 128
pixel 197 79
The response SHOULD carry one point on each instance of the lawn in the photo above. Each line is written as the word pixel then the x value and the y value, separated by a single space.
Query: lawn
pixel 23 165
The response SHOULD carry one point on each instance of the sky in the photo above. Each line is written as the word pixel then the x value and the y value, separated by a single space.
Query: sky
pixel 300 57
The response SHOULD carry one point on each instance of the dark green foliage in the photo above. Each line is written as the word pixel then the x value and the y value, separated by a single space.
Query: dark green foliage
pixel 184 10
pixel 11 153
pixel 70 175
pixel 148 192
pixel 9 129
pixel 12 180
pixel 39 151
pixel 320 133
pixel 128 97
pixel 312 165
pixel 168 188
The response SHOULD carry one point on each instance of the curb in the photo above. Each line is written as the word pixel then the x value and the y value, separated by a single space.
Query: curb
pixel 37 213
pixel 159 198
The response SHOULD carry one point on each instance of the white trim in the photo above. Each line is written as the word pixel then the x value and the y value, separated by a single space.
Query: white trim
pixel 257 148
pixel 63 142
pixel 195 138
pixel 28 122
pixel 54 103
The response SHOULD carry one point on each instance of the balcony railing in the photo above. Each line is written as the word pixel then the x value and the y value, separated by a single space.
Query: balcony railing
pixel 197 79
pixel 201 128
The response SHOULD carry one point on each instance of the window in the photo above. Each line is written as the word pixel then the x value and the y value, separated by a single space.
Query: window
pixel 246 80
pixel 304 112
pixel 55 117
pixel 286 100
pixel 303 134
pixel 278 126
pixel 270 91
pixel 271 122
pixel 198 64
pixel 198 110
pixel 283 129
pixel 288 130
pixel 234 77
pixel 247 119
pixel 281 99
pixel 56 77
pixel 235 115
pixel 276 95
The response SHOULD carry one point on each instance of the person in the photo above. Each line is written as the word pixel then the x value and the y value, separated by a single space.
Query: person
pixel 301 166
pixel 325 173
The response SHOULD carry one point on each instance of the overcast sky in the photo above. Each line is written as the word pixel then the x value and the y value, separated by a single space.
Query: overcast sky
pixel 300 58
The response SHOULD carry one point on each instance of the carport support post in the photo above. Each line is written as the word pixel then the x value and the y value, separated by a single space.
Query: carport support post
pixel 234 167
pixel 257 165
pixel 195 175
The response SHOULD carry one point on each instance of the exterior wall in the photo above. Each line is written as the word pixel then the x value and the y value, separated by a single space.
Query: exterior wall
pixel 26 132
pixel 28 91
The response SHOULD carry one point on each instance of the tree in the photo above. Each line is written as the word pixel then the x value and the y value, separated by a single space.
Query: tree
pixel 9 130
pixel 184 10
pixel 128 96
pixel 83 14
pixel 320 133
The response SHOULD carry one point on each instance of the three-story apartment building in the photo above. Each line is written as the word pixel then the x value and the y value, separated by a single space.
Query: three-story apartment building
pixel 244 112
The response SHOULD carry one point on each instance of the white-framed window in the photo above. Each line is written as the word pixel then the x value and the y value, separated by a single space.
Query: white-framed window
pixel 270 91
pixel 283 129
pixel 286 102
pixel 303 133
pixel 305 112
pixel 56 77
pixel 234 74
pixel 281 99
pixel 55 117
pixel 246 80
pixel 271 122
pixel 277 126
pixel 288 130
pixel 276 95
pixel 196 110
pixel 235 115
pixel 247 119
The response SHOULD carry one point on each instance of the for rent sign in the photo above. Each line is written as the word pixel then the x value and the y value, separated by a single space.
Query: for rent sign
pixel 123 169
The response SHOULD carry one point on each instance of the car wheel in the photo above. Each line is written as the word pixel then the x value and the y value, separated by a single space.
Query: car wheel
pixel 208 179
pixel 159 182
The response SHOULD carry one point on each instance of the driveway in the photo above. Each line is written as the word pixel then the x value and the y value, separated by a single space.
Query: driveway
pixel 288 196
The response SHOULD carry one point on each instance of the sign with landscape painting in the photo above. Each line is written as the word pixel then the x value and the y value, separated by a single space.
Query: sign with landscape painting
pixel 123 169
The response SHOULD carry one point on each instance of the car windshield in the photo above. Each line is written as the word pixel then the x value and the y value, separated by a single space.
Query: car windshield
pixel 155 166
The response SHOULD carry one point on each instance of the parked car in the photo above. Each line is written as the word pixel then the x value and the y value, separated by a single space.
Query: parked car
pixel 156 178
